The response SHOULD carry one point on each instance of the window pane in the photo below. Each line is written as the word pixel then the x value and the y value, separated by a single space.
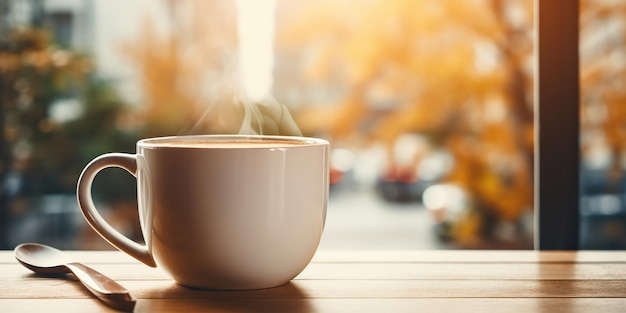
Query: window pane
pixel 427 104
pixel 603 124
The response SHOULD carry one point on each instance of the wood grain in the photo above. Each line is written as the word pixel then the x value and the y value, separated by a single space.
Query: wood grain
pixel 373 271
pixel 393 256
pixel 580 305
pixel 353 281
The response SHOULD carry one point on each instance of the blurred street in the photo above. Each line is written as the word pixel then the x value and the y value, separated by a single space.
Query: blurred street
pixel 356 220
pixel 362 220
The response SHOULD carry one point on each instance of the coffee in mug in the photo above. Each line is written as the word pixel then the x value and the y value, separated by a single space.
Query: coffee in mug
pixel 221 211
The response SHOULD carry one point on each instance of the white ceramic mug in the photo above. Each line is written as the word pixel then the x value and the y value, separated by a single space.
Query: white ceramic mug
pixel 222 211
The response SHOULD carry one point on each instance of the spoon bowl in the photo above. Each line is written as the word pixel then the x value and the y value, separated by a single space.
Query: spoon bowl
pixel 42 259
pixel 46 260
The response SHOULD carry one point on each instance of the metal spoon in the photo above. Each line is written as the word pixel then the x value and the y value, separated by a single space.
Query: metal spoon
pixel 47 260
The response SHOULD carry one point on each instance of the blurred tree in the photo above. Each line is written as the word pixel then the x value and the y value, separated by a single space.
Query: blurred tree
pixel 58 115
pixel 603 77
pixel 188 70
pixel 458 71
pixel 55 116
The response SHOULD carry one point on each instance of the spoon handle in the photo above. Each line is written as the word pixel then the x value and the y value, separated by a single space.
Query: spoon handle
pixel 107 290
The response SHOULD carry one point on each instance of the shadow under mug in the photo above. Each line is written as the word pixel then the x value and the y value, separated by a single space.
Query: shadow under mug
pixel 227 212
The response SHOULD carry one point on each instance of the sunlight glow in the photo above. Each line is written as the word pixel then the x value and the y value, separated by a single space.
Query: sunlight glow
pixel 256 40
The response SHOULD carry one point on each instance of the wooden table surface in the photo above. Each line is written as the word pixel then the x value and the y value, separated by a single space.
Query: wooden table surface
pixel 351 281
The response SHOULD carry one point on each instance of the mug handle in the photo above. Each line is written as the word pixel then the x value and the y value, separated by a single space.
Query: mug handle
pixel 93 217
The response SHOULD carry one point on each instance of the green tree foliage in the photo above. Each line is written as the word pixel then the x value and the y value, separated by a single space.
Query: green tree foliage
pixel 56 115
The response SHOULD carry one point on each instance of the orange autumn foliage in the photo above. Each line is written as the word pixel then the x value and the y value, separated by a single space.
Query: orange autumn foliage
pixel 455 70
pixel 187 68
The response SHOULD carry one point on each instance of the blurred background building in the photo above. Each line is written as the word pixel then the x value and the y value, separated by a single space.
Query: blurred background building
pixel 428 106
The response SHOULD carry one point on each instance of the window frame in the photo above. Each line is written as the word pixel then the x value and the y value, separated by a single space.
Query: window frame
pixel 557 125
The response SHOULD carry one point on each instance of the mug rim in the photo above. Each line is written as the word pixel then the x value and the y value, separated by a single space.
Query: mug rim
pixel 154 142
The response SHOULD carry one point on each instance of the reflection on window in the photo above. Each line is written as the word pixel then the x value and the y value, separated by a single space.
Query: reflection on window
pixel 427 104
